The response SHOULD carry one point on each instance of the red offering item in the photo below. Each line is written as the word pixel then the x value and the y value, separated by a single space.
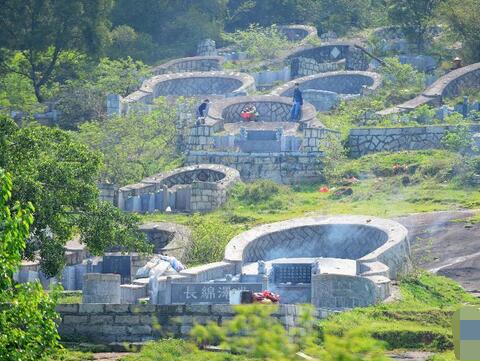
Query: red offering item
pixel 324 190
pixel 245 115
pixel 266 297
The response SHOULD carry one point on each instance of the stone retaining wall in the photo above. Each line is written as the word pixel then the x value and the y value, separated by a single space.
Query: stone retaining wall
pixel 113 323
pixel 286 168
pixel 371 140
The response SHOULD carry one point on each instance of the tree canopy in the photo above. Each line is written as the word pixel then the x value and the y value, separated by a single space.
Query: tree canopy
pixel 41 30
pixel 58 175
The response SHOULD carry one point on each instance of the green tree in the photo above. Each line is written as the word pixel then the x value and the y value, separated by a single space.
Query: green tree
pixel 259 43
pixel 175 25
pixel 58 175
pixel 414 17
pixel 84 99
pixel 242 13
pixel 27 326
pixel 462 17
pixel 41 30
pixel 125 41
pixel 136 145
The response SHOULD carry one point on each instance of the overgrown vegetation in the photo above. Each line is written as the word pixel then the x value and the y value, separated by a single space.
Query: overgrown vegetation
pixel 259 43
pixel 136 145
pixel 421 320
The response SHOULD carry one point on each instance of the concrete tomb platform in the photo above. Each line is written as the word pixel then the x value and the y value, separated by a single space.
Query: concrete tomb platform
pixel 326 265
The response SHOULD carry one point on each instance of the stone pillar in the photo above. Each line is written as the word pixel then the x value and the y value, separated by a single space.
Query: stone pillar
pixel 114 104
pixel 101 288
pixel 207 47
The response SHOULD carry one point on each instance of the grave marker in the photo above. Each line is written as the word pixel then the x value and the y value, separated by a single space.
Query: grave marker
pixel 215 293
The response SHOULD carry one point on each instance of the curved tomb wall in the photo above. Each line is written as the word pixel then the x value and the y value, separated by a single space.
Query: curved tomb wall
pixel 195 63
pixel 193 86
pixel 196 188
pixel 271 108
pixel 365 239
pixel 338 82
pixel 333 241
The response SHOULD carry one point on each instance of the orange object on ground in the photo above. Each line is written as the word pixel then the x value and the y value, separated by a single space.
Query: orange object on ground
pixel 324 190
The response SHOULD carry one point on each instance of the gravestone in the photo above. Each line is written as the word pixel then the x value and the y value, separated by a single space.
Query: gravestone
pixel 121 265
pixel 294 273
pixel 215 293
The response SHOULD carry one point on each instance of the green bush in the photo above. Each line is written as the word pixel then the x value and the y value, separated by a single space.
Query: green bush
pixel 258 42
pixel 210 236
pixel 260 191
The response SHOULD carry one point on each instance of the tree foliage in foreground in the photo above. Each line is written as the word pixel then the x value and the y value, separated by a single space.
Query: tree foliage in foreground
pixel 58 175
pixel 27 325
pixel 253 332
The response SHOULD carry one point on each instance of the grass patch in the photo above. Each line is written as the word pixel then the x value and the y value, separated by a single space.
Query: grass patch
pixel 70 297
pixel 179 350
pixel 421 320
pixel 380 192
pixel 69 355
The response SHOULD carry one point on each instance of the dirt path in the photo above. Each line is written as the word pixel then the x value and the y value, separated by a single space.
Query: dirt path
pixel 445 243
pixel 109 356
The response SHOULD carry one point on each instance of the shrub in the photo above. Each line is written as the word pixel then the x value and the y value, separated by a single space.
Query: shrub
pixel 258 42
pixel 210 236
pixel 459 140
pixel 260 191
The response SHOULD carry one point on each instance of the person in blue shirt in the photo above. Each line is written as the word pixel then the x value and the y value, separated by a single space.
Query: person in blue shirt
pixel 202 109
pixel 202 112
pixel 297 104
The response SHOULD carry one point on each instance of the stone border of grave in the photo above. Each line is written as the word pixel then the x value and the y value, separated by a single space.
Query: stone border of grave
pixel 190 64
pixel 180 242
pixel 217 109
pixel 146 93
pixel 346 50
pixel 394 253
pixel 450 84
pixel 367 140
pixel 309 32
pixel 287 88
pixel 205 195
